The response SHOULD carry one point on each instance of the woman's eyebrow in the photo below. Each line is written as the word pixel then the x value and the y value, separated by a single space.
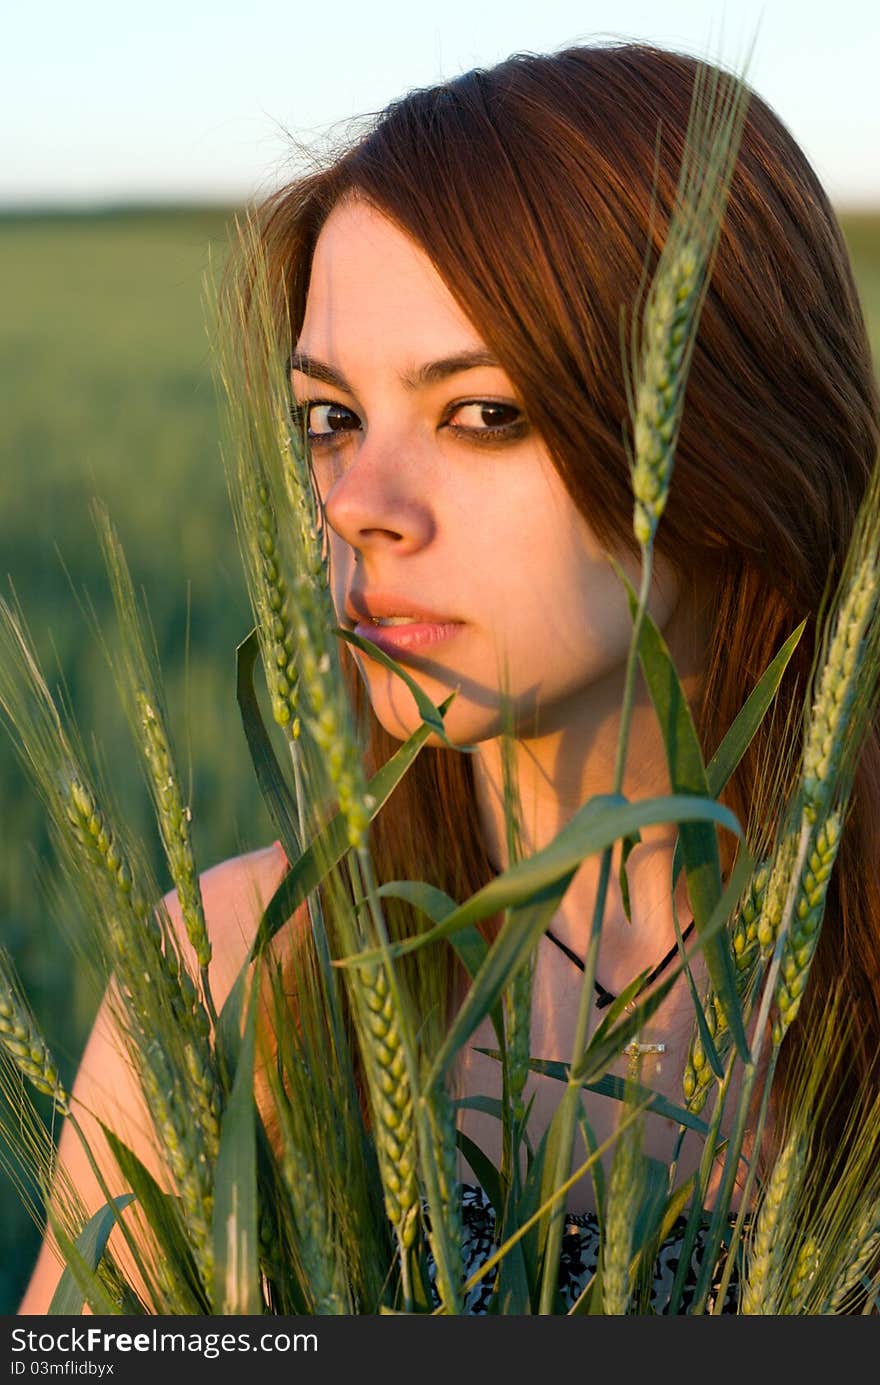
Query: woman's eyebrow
pixel 317 370
pixel 428 374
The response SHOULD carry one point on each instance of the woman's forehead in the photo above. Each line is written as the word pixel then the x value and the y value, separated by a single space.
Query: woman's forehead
pixel 373 289
pixel 362 254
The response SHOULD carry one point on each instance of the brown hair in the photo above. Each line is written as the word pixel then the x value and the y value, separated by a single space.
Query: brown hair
pixel 529 186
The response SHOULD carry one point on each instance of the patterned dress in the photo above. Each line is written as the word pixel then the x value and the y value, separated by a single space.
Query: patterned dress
pixel 580 1247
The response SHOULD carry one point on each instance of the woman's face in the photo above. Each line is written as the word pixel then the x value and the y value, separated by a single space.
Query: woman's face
pixel 442 500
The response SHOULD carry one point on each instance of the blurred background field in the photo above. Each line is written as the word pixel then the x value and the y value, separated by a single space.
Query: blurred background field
pixel 106 390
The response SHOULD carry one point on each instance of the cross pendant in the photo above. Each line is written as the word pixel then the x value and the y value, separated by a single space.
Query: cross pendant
pixel 635 1052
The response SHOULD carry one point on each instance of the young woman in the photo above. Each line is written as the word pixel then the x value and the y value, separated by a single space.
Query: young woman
pixel 455 283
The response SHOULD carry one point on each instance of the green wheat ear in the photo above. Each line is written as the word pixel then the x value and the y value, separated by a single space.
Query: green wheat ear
pixel 763 1284
pixel 838 686
pixel 391 1098
pixel 837 715
pixel 280 519
pixel 137 674
pixel 697 1076
pixel 441 1118
pixel 862 1251
pixel 803 935
pixel 21 1038
pixel 626 1185
pixel 665 328
pixel 271 599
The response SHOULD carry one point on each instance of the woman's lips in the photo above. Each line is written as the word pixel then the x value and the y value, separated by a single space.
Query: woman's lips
pixel 413 636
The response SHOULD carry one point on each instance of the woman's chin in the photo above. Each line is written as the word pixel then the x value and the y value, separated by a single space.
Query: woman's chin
pixel 463 723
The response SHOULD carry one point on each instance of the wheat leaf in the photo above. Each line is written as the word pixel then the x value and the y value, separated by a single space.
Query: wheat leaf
pixel 699 841
pixel 236 1248
pixel 79 1283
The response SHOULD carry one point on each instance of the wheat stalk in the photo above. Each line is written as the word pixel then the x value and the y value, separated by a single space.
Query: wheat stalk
pixel 282 520
pixel 697 1074
pixel 711 146
pixel 666 335
pixel 767 1251
pixel 838 686
pixel 138 678
pixel 315 1244
pixel 268 586
pixel 441 1121
pixel 190 1147
pixel 864 1244
pixel 800 943
pixel 794 1294
pixel 391 1099
pixel 23 1042
pixel 625 1188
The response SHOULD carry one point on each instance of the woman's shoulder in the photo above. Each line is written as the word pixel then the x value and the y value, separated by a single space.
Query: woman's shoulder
pixel 232 888
pixel 235 893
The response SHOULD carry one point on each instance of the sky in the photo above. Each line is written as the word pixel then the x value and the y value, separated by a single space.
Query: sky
pixel 106 102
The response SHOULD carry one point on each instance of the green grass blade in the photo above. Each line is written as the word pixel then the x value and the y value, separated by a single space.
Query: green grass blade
pixel 229 1022
pixel 614 1087
pixel 719 770
pixel 543 1171
pixel 591 1293
pixel 582 1306
pixel 512 1291
pixel 747 721
pixel 472 949
pixel 607 1044
pixel 273 785
pixel 623 879
pixel 545 1184
pixel 676 1203
pixel 489 1105
pixel 595 1304
pixel 713 1057
pixel 597 1171
pixel 236 1245
pixel 487 1175
pixel 430 714
pixel 649 1217
pixel 331 844
pixel 597 824
pixel 437 904
pixel 699 841
pixel 529 1201
pixel 745 725
pixel 79 1284
pixel 469 943
pixel 166 1225
pixel 519 934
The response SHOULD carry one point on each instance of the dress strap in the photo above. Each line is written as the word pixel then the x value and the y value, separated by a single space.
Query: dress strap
pixel 605 997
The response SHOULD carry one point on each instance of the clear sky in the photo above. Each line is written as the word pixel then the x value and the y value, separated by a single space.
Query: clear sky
pixel 105 101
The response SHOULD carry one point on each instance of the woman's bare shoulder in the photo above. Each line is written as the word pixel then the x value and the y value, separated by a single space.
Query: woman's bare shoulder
pixel 235 893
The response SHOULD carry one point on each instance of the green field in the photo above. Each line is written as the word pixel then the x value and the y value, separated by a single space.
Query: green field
pixel 106 390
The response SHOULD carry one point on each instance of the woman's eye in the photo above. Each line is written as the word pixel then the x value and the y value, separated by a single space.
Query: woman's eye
pixel 486 418
pixel 483 420
pixel 325 420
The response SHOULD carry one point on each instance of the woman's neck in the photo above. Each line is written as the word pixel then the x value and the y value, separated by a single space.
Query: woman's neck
pixel 570 759
pixel 627 947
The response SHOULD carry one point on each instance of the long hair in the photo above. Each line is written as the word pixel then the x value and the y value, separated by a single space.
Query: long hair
pixel 537 188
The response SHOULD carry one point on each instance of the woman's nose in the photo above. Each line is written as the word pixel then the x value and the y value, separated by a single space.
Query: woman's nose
pixel 382 496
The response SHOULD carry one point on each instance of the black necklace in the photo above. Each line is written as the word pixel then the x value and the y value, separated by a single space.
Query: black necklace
pixel 606 997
